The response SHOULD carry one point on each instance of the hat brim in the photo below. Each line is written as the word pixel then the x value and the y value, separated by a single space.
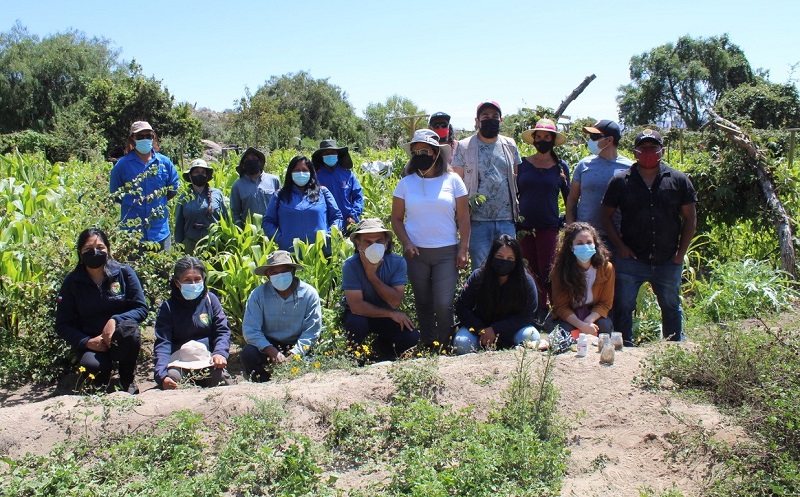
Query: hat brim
pixel 527 136
pixel 342 153
pixel 201 364
pixel 209 169
pixel 592 129
pixel 369 230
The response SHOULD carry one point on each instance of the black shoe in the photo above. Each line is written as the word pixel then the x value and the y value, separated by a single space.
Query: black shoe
pixel 132 388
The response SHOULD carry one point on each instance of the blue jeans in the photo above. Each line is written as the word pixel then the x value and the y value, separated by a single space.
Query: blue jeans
pixel 482 234
pixel 465 341
pixel 665 278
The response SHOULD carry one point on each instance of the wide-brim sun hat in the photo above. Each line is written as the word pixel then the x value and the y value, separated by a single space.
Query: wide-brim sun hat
pixel 429 137
pixel 342 153
pixel 277 258
pixel 191 355
pixel 370 225
pixel 544 125
pixel 198 163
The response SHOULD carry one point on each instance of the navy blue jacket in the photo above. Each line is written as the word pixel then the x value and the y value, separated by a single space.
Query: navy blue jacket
pixel 84 308
pixel 180 320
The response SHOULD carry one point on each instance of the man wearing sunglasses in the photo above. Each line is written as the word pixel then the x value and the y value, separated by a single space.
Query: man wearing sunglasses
pixel 592 174
pixel 439 123
pixel 657 204
pixel 142 181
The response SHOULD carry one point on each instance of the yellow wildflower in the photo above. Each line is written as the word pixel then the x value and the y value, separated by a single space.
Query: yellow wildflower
pixel 91 376
pixel 297 357
pixel 366 349
pixel 81 369
pixel 317 364
pixel 435 343
pixel 295 370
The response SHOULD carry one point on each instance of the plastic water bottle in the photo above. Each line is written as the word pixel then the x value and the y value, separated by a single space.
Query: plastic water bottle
pixel 583 345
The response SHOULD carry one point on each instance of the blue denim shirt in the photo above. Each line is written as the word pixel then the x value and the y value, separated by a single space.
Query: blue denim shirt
pixel 145 188
pixel 345 188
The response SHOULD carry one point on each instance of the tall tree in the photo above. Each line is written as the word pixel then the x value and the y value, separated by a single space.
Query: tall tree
pixel 40 77
pixel 678 82
pixel 382 119
pixel 762 105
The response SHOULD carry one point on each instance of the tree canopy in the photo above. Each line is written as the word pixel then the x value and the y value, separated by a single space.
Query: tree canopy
pixel 678 82
pixel 382 119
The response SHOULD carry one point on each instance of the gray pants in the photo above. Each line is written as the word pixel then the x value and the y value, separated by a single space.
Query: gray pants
pixel 434 276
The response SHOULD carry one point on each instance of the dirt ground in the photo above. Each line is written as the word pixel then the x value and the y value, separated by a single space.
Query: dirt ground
pixel 623 438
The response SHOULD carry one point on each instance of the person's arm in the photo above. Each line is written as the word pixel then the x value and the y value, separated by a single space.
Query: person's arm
pixel 67 318
pixel 360 307
pixel 172 183
pixel 270 223
pixel 180 230
pixel 312 324
pixel 332 213
pixel 607 218
pixel 572 201
pixel 399 227
pixel 163 344
pixel 689 215
pixel 253 321
pixel 463 225
pixel 220 331
pixel 236 205
pixel 511 324
pixel 564 185
pixel 223 209
pixel 134 296
pixel 466 302
pixel 603 292
pixel 356 197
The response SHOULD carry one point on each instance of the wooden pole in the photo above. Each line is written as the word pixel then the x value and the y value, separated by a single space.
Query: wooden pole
pixel 572 96
pixel 758 161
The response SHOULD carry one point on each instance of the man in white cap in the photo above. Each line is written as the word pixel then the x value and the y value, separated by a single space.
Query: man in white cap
pixel 142 181
pixel 373 280
pixel 488 161
pixel 283 317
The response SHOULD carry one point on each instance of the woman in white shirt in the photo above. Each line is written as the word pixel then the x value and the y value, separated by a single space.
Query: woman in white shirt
pixel 430 216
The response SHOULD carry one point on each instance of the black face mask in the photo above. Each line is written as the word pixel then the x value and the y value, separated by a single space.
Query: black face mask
pixel 199 180
pixel 252 166
pixel 94 258
pixel 421 163
pixel 543 146
pixel 503 267
pixel 490 128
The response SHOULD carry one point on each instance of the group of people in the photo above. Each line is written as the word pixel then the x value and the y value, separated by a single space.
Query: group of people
pixel 472 200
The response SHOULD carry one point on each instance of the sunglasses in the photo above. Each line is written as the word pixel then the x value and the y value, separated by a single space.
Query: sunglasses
pixel 143 136
pixel 423 151
pixel 439 125
pixel 596 136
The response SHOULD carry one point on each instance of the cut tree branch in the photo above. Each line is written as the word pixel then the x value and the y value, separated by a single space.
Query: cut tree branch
pixel 758 161
pixel 572 96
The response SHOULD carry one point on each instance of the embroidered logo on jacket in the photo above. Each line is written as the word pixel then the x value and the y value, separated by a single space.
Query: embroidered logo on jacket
pixel 204 318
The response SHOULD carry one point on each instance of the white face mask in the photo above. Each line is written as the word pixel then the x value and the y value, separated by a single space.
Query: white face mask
pixel 374 253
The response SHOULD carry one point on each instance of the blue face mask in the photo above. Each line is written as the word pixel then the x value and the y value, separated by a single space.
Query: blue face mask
pixel 301 178
pixel 144 146
pixel 330 160
pixel 191 291
pixel 594 148
pixel 584 253
pixel 281 281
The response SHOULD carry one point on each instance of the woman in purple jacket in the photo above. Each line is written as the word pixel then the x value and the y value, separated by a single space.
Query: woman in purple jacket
pixel 191 314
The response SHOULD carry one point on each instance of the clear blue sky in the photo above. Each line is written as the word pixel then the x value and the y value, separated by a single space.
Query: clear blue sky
pixel 443 55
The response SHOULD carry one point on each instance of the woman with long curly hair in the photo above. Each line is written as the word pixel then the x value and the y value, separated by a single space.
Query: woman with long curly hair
pixel 583 281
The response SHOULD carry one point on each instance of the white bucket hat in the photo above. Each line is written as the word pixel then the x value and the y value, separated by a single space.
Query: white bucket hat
pixel 429 137
pixel 191 355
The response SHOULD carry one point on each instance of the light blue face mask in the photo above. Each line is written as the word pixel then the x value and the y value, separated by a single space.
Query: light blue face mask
pixel 584 253
pixel 594 148
pixel 191 291
pixel 144 146
pixel 301 178
pixel 330 160
pixel 281 281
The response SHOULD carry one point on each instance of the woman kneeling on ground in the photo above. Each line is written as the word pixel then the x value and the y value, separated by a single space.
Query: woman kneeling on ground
pixel 583 281
pixel 100 306
pixel 498 302
pixel 192 334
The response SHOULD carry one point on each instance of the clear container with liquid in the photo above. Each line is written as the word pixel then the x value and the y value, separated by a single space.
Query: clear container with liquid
pixel 600 338
pixel 616 340
pixel 607 351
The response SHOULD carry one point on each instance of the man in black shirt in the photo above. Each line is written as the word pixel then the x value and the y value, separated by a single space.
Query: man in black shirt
pixel 657 204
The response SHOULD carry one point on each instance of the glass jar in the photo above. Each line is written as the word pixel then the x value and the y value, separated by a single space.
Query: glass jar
pixel 600 339
pixel 616 340
pixel 607 351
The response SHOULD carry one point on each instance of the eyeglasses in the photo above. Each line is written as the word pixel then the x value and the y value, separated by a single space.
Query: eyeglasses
pixel 596 136
pixel 145 136
pixel 439 125
pixel 423 151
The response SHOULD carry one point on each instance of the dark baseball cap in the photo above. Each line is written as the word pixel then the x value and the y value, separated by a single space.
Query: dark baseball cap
pixel 490 103
pixel 436 116
pixel 648 134
pixel 604 127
